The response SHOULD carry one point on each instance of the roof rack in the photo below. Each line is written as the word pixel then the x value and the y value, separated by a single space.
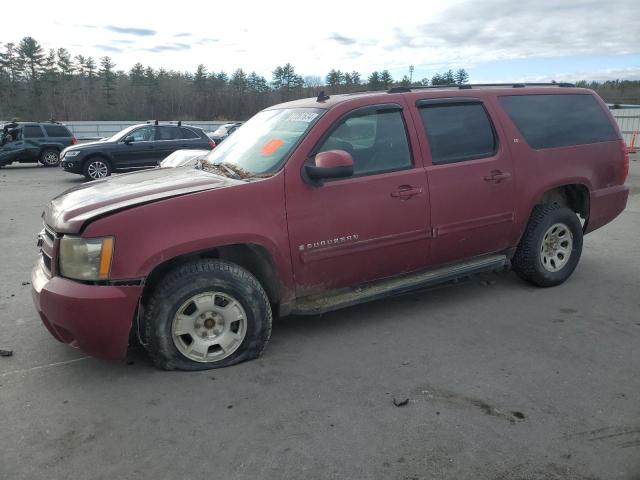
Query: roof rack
pixel 469 86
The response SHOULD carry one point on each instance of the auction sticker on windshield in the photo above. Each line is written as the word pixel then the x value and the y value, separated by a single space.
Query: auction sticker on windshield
pixel 301 117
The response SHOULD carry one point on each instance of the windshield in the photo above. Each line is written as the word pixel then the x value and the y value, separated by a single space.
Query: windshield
pixel 121 134
pixel 263 143
pixel 183 157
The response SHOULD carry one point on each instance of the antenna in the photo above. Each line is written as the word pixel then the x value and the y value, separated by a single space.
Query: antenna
pixel 322 96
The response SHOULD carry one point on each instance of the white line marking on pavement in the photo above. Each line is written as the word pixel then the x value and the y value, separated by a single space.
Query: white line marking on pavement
pixel 40 367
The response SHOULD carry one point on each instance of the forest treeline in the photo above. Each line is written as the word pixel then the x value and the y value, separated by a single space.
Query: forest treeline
pixel 36 84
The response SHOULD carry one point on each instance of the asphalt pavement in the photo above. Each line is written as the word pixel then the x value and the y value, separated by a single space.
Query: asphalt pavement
pixel 502 380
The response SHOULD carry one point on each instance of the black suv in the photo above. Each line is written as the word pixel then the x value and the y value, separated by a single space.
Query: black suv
pixel 136 147
pixel 30 142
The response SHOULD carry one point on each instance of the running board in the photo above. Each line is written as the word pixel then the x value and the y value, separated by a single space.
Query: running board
pixel 316 304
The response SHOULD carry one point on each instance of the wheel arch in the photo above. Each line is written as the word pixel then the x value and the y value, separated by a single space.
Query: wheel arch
pixel 252 257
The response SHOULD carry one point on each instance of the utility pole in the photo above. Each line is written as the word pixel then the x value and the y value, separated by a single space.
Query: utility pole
pixel 410 74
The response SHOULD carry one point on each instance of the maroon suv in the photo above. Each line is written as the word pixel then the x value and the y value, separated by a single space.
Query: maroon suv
pixel 320 203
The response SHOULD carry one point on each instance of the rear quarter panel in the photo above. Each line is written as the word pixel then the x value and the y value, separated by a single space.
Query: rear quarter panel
pixel 594 166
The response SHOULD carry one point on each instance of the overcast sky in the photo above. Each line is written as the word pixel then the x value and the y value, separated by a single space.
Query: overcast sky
pixel 495 40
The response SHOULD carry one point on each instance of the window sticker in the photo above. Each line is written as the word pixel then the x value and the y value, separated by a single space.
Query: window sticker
pixel 306 117
pixel 271 146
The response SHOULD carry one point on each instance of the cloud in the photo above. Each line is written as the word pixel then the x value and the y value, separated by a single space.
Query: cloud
pixel 342 40
pixel 354 54
pixel 184 34
pixel 168 48
pixel 205 41
pixel 131 30
pixel 142 32
pixel 108 48
pixel 501 29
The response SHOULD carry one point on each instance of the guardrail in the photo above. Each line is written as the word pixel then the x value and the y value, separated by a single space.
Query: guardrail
pixel 629 123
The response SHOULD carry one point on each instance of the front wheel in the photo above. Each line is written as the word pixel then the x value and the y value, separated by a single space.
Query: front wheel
pixel 550 247
pixel 96 168
pixel 50 157
pixel 207 314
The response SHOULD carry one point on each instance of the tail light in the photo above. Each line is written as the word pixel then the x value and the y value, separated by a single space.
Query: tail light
pixel 625 162
pixel 74 140
pixel 212 144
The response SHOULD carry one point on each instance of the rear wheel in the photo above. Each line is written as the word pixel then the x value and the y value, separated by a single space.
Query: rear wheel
pixel 96 167
pixel 207 314
pixel 550 247
pixel 50 157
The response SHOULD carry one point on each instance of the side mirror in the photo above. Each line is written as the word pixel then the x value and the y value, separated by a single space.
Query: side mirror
pixel 329 164
pixel 128 139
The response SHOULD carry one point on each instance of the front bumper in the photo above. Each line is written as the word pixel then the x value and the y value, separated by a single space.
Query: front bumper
pixel 72 165
pixel 92 318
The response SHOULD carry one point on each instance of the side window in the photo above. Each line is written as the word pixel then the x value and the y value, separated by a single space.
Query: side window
pixel 166 133
pixel 143 134
pixel 32 131
pixel 377 142
pixel 458 132
pixel 550 121
pixel 56 131
pixel 187 133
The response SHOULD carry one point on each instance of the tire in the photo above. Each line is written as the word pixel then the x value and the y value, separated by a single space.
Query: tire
pixel 186 309
pixel 96 168
pixel 50 157
pixel 550 247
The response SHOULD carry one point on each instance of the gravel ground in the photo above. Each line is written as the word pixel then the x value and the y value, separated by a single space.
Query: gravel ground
pixel 503 380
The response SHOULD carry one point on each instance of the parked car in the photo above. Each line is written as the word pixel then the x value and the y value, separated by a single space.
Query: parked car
pixel 319 204
pixel 134 148
pixel 183 158
pixel 223 131
pixel 31 142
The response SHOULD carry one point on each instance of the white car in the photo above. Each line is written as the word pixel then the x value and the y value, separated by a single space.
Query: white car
pixel 184 158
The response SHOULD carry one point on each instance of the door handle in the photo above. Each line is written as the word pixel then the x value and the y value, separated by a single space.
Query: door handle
pixel 497 176
pixel 406 192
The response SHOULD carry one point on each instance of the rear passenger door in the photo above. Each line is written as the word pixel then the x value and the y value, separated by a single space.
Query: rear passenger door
pixel 166 141
pixel 470 177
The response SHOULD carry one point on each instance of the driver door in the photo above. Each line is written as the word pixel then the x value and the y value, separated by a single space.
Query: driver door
pixel 369 226
pixel 140 152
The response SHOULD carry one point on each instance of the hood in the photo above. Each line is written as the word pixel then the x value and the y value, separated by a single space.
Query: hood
pixel 84 146
pixel 69 211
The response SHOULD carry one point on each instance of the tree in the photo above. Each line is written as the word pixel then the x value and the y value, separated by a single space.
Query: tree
pixel 108 80
pixel 461 76
pixel 374 81
pixel 31 56
pixel 406 81
pixel 286 80
pixel 334 80
pixel 386 78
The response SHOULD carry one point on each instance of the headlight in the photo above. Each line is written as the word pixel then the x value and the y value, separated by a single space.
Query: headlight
pixel 72 153
pixel 86 258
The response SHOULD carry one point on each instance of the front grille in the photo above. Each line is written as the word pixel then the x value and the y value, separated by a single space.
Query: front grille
pixel 48 243
pixel 46 260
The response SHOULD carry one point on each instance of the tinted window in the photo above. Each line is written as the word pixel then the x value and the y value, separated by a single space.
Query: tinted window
pixel 56 131
pixel 32 131
pixel 166 133
pixel 143 134
pixel 547 121
pixel 458 132
pixel 376 141
pixel 187 133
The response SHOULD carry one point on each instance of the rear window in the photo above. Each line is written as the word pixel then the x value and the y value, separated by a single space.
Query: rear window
pixel 56 131
pixel 458 132
pixel 187 133
pixel 32 131
pixel 548 121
